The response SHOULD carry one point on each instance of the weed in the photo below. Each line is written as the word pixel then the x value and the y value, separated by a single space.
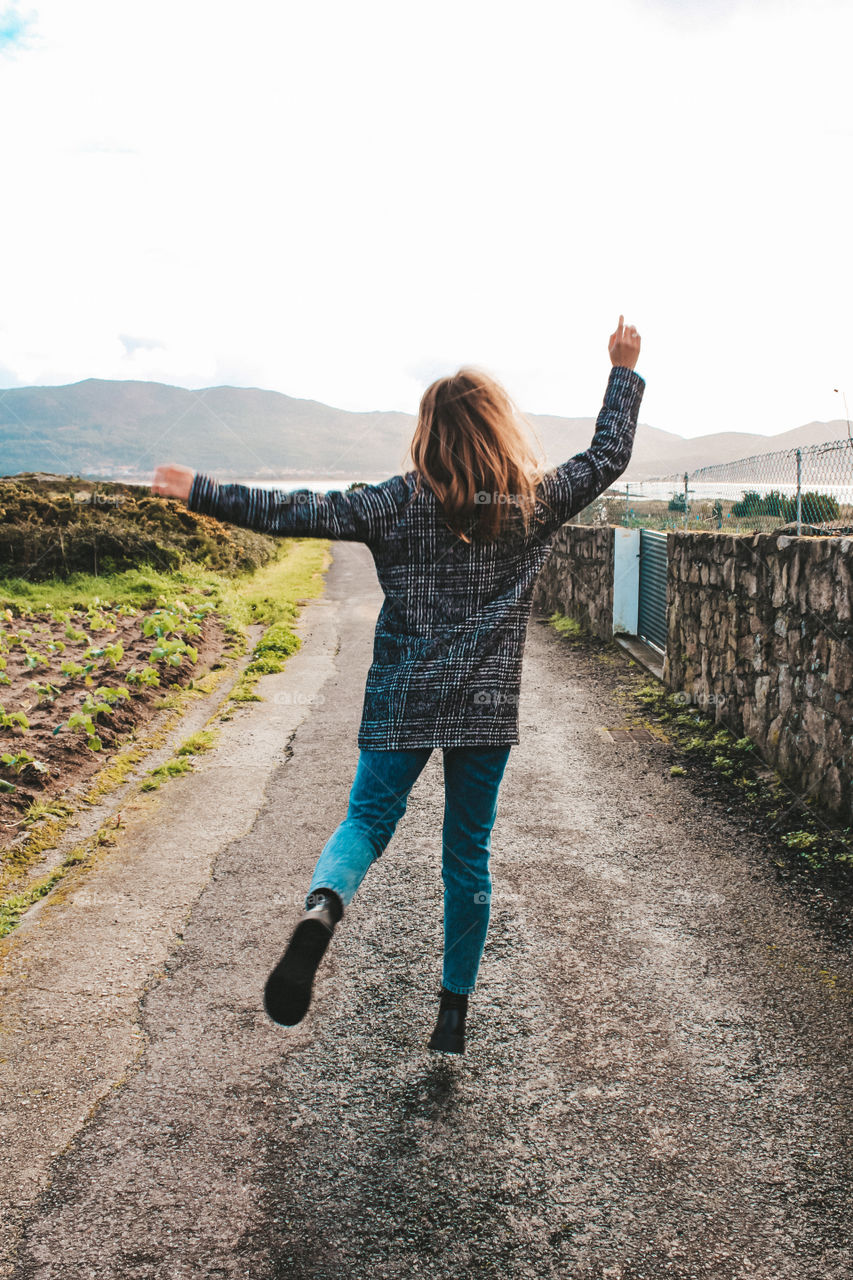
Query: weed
pixel 171 769
pixel 204 740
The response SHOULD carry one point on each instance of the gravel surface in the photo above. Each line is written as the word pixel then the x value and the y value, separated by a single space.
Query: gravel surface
pixel 657 1082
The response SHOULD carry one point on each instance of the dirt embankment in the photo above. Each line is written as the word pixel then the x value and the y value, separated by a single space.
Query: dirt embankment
pixel 61 525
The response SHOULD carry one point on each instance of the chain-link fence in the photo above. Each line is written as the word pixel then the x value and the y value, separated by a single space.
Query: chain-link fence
pixel 799 491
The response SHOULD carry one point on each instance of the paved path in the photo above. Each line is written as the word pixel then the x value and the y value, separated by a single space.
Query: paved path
pixel 657 1083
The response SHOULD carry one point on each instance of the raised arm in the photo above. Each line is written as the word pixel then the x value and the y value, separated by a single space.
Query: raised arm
pixel 359 515
pixel 576 483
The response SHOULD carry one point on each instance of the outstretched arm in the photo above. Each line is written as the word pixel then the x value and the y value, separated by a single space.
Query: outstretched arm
pixel 356 516
pixel 576 483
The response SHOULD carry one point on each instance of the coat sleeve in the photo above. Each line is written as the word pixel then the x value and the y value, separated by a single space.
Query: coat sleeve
pixel 357 515
pixel 574 484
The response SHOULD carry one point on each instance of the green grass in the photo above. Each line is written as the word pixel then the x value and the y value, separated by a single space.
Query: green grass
pixel 182 760
pixel 804 837
pixel 815 842
pixel 570 628
pixel 171 769
pixel 269 595
pixel 204 740
pixel 12 908
pixel 15 905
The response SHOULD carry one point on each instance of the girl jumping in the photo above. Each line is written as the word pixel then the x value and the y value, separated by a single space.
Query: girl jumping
pixel 458 543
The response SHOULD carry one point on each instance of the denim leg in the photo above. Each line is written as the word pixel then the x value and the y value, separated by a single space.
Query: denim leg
pixel 472 778
pixel 377 801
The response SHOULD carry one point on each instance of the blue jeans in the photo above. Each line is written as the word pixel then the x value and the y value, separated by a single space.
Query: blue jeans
pixel 383 780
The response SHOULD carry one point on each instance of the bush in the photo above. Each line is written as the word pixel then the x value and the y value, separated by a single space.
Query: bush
pixel 61 525
pixel 816 507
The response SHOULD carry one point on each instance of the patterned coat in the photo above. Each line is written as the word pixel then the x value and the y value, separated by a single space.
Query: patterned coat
pixel 450 635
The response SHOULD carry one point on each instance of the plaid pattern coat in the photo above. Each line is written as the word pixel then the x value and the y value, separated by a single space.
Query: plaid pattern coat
pixel 450 635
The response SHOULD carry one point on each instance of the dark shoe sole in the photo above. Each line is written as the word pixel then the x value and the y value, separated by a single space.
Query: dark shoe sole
pixel 446 1044
pixel 287 993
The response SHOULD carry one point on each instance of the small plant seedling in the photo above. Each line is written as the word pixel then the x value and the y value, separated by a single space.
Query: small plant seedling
pixel 113 654
pixel 33 659
pixel 147 677
pixel 109 694
pixel 97 622
pixel 45 693
pixel 94 706
pixel 81 722
pixel 800 840
pixel 21 761
pixel 13 720
pixel 173 651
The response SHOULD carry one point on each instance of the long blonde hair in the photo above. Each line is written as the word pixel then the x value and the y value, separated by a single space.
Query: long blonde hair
pixel 471 448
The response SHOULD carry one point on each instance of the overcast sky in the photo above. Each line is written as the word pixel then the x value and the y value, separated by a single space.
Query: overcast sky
pixel 343 201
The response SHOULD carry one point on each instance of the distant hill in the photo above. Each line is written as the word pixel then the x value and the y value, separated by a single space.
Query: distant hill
pixel 121 429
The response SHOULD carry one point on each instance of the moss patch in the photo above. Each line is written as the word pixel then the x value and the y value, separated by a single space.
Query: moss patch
pixel 803 835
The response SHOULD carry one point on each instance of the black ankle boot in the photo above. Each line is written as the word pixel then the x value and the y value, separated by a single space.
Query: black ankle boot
pixel 327 897
pixel 288 989
pixel 449 1033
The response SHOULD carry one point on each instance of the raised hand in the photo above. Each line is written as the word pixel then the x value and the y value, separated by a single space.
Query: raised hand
pixel 172 481
pixel 624 346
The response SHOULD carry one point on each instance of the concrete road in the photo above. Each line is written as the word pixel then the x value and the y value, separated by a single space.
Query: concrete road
pixel 657 1082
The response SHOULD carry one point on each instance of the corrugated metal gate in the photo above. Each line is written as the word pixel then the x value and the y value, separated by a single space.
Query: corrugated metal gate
pixel 651 625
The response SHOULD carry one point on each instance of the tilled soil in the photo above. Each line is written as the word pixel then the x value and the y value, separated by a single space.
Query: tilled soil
pixel 66 760
pixel 657 1081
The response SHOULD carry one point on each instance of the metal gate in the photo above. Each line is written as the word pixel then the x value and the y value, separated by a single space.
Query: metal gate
pixel 651 624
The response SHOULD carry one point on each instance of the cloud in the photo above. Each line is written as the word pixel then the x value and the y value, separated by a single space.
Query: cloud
pixel 105 147
pixel 705 13
pixel 346 232
pixel 131 344
pixel 15 27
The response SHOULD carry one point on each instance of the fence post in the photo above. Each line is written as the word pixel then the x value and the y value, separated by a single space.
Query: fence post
pixel 799 490
pixel 685 499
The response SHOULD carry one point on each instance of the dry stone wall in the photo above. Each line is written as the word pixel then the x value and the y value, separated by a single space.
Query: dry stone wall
pixel 760 629
pixel 759 634
pixel 577 578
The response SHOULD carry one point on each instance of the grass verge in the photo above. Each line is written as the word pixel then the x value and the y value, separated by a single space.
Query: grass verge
pixel 269 596
pixel 806 838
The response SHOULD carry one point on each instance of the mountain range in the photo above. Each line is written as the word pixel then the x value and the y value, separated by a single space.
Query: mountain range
pixel 119 430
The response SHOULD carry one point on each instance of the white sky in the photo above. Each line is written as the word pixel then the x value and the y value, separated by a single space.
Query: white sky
pixel 342 201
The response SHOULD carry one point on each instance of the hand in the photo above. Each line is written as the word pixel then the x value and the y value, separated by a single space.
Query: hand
pixel 172 481
pixel 624 346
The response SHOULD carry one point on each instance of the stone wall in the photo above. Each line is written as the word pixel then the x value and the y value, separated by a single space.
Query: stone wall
pixel 578 577
pixel 760 632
